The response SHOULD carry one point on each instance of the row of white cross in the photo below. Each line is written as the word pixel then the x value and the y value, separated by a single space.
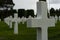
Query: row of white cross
pixel 9 20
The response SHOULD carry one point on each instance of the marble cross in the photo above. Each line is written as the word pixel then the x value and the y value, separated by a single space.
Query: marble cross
pixel 10 21
pixel 41 23
pixel 0 19
pixel 56 18
pixel 23 20
pixel 16 20
pixel 6 20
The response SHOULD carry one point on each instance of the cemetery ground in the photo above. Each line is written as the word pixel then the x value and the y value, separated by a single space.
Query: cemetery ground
pixel 26 33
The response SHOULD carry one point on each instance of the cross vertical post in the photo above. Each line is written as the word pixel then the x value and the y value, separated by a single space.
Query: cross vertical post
pixel 15 24
pixel 41 23
pixel 10 22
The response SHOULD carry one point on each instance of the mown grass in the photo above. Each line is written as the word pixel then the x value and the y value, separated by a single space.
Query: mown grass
pixel 54 33
pixel 27 33
pixel 24 33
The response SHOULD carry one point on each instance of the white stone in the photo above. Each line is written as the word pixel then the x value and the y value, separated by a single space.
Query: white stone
pixel 6 20
pixel 19 20
pixel 59 18
pixel 16 20
pixel 41 22
pixel 16 28
pixel 30 17
pixel 56 18
pixel 15 24
pixel 0 19
pixel 10 22
pixel 23 20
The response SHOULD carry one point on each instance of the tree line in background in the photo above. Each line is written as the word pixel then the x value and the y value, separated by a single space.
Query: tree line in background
pixel 54 12
pixel 25 13
pixel 21 13
pixel 4 2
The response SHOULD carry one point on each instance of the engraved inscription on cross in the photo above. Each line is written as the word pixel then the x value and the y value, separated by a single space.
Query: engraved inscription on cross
pixel 41 22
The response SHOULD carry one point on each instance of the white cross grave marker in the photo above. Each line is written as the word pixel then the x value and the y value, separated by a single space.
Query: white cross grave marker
pixel 23 20
pixel 59 18
pixel 6 20
pixel 30 17
pixel 41 22
pixel 10 22
pixel 16 20
pixel 56 18
pixel 0 19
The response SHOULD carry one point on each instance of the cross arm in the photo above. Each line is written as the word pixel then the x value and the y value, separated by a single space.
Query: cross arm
pixel 34 23
pixel 51 23
pixel 40 22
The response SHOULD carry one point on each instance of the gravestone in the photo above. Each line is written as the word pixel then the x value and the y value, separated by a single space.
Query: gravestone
pixel 16 20
pixel 41 23
pixel 0 19
pixel 56 18
pixel 19 19
pixel 10 22
pixel 23 20
pixel 59 18
pixel 15 24
pixel 6 20
pixel 30 17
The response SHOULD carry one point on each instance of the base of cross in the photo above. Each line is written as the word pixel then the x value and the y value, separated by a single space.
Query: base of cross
pixel 42 33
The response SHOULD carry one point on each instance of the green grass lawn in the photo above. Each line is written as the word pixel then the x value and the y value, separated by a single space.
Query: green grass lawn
pixel 27 33
pixel 54 33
